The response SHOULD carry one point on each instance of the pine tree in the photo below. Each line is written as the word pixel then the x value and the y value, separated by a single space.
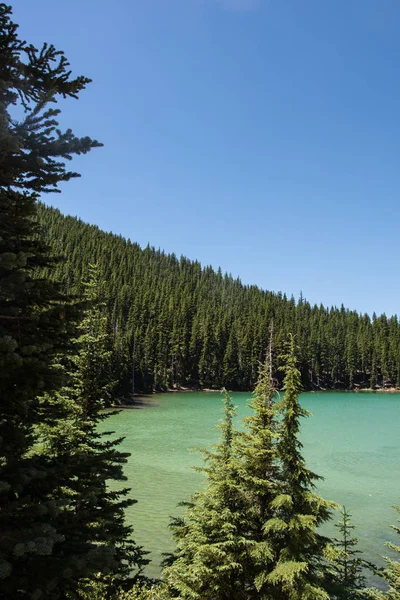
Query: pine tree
pixel 346 567
pixel 211 547
pixel 260 483
pixel 158 591
pixel 231 360
pixel 192 328
pixel 298 572
pixel 97 541
pixel 34 318
pixel 391 573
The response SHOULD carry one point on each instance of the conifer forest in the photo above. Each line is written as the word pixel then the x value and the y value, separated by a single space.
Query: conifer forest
pixel 88 320
pixel 180 324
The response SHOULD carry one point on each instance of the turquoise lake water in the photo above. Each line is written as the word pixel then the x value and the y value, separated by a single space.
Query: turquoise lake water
pixel 351 439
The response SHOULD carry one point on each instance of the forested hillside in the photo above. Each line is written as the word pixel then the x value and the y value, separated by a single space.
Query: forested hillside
pixel 176 323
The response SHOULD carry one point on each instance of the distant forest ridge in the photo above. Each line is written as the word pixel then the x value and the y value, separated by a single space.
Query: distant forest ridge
pixel 175 323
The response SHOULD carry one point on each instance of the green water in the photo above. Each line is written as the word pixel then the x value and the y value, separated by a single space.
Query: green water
pixel 352 440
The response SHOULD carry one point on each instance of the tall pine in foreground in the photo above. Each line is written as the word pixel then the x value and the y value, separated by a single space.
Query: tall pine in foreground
pixel 97 541
pixel 299 571
pixel 34 318
pixel 271 513
pixel 259 479
pixel 211 546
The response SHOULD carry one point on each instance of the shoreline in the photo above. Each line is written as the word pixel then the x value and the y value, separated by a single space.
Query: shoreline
pixel 141 400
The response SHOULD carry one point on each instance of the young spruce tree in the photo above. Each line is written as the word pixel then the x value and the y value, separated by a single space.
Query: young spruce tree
pixel 299 570
pixel 211 546
pixel 346 567
pixel 391 573
pixel 392 570
pixel 33 316
pixel 259 479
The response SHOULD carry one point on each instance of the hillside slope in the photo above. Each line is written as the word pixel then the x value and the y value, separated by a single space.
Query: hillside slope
pixel 178 323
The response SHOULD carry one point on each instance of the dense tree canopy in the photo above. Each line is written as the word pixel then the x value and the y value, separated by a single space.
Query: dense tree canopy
pixel 180 323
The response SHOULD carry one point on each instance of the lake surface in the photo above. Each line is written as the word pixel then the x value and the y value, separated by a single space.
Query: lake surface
pixel 351 439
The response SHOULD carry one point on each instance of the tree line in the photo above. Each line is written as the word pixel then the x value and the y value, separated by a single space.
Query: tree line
pixel 175 323
pixel 63 535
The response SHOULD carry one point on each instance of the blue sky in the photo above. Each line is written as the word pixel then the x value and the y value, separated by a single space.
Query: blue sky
pixel 262 136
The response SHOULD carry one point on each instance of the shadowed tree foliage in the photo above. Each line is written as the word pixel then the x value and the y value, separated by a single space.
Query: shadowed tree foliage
pixel 35 319
pixel 97 540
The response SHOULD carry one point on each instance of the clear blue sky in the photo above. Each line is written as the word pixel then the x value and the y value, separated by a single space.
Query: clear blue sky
pixel 262 136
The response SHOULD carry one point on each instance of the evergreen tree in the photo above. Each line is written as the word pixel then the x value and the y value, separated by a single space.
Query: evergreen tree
pixel 275 551
pixel 189 326
pixel 299 570
pixel 260 483
pixel 231 360
pixel 98 591
pixel 391 573
pixel 97 541
pixel 346 566
pixel 34 318
pixel 211 547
